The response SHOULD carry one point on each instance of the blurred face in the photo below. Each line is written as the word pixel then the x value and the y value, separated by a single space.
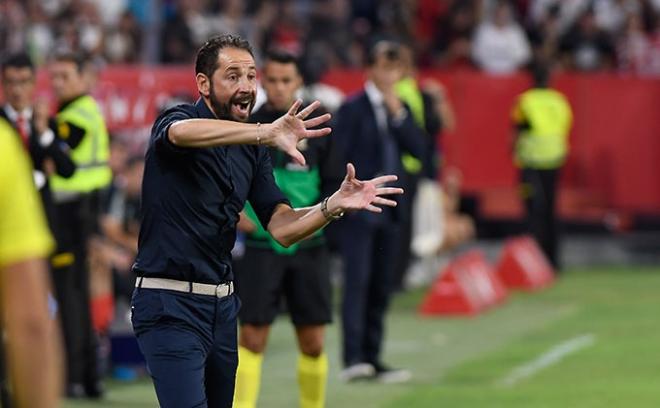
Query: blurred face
pixel 385 72
pixel 502 15
pixel 18 86
pixel 67 81
pixel 280 81
pixel 232 89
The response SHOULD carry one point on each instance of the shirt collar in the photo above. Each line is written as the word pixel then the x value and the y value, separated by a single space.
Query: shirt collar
pixel 203 110
pixel 12 113
pixel 373 93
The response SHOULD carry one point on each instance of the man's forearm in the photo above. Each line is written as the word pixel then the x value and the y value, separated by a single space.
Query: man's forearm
pixel 290 225
pixel 212 132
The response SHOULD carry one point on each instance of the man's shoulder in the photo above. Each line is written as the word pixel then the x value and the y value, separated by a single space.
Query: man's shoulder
pixel 184 109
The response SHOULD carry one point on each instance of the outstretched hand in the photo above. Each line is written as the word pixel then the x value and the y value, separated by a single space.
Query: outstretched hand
pixel 367 195
pixel 289 129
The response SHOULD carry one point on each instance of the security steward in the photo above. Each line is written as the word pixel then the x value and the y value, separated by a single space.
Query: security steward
pixel 81 125
pixel 203 162
pixel 542 117
pixel 269 273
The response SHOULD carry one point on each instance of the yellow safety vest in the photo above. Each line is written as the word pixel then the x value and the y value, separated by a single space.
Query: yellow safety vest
pixel 91 154
pixel 410 94
pixel 548 118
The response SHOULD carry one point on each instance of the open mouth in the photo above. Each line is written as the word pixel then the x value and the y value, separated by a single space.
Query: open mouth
pixel 242 108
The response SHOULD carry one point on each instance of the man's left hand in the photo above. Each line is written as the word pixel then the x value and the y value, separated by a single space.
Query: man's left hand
pixel 367 195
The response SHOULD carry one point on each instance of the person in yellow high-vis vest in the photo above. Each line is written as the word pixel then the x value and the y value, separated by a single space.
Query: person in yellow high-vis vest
pixel 81 125
pixel 432 113
pixel 30 336
pixel 543 120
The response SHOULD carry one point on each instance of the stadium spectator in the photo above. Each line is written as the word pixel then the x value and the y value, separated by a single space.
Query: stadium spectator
pixel 31 339
pixel 123 41
pixel 585 47
pixel 544 36
pixel 568 11
pixel 500 45
pixel 268 273
pixel 201 166
pixel 634 47
pixel 372 129
pixel 81 125
pixel 453 39
pixel 542 119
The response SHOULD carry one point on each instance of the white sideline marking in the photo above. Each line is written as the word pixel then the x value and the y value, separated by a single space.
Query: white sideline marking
pixel 550 357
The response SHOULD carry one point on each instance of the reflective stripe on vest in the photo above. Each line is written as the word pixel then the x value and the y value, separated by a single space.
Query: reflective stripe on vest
pixel 92 153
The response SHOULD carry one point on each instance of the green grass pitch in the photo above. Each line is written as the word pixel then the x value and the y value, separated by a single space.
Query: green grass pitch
pixel 466 362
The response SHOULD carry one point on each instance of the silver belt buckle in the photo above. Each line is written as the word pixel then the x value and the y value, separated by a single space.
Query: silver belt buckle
pixel 218 291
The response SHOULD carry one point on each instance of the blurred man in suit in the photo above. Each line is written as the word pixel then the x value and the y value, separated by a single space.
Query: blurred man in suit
pixel 373 129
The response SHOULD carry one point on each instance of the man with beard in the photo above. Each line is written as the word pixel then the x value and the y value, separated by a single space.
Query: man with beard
pixel 202 164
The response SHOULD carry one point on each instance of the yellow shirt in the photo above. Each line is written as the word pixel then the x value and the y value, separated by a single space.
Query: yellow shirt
pixel 23 230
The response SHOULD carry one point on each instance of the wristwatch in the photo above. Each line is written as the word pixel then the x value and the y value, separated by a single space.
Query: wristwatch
pixel 327 214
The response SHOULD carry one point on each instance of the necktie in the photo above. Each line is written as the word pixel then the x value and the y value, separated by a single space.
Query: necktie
pixel 388 144
pixel 22 125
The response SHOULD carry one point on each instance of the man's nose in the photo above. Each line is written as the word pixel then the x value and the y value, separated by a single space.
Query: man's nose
pixel 244 84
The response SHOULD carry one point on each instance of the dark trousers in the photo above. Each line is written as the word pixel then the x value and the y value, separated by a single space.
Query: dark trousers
pixel 405 224
pixel 369 252
pixel 190 344
pixel 74 222
pixel 539 193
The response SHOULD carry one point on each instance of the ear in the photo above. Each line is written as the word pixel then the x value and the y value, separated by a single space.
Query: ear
pixel 203 84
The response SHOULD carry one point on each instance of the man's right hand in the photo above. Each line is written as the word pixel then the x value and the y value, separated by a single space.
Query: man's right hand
pixel 288 130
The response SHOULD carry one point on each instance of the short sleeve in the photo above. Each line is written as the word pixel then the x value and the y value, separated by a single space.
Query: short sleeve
pixel 23 230
pixel 159 139
pixel 264 194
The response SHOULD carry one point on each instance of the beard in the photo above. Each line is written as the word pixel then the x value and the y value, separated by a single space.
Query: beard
pixel 224 110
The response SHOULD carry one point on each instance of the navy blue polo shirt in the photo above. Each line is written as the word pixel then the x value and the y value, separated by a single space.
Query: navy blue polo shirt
pixel 191 198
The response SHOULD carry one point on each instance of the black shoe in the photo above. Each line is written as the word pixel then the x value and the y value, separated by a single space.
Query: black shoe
pixel 94 390
pixel 389 375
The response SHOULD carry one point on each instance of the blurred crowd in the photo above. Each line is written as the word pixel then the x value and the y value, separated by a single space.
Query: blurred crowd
pixel 494 35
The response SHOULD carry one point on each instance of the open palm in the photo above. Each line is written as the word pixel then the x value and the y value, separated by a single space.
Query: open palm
pixel 367 195
pixel 292 127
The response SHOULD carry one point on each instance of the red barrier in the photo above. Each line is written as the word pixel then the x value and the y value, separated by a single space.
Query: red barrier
pixel 523 265
pixel 467 286
pixel 615 148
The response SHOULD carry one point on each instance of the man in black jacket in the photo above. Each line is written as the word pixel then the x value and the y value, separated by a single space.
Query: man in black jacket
pixel 32 122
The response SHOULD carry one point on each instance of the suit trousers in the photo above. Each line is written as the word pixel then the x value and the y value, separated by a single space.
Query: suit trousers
pixel 369 252
pixel 190 344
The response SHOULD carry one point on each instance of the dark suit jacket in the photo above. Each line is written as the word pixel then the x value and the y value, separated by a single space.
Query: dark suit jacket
pixel 56 151
pixel 359 140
